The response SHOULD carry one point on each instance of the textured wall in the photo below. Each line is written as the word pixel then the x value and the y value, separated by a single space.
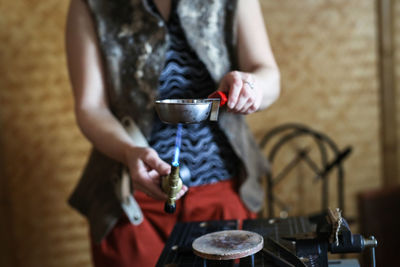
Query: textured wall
pixel 43 151
pixel 396 32
pixel 327 54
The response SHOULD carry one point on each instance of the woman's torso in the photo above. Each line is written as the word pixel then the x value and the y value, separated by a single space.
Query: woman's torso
pixel 206 155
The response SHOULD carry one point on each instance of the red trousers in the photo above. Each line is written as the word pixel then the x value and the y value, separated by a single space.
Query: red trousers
pixel 128 245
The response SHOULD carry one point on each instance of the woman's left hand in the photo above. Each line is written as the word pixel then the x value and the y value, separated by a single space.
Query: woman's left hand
pixel 243 96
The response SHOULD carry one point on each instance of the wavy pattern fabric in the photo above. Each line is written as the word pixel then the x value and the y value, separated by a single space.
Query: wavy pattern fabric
pixel 206 156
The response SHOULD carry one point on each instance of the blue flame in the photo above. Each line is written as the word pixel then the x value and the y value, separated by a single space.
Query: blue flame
pixel 177 145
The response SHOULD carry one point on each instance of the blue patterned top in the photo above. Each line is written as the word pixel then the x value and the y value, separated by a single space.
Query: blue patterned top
pixel 206 156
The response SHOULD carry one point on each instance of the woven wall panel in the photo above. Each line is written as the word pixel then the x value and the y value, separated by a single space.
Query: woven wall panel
pixel 6 255
pixel 327 54
pixel 396 34
pixel 43 149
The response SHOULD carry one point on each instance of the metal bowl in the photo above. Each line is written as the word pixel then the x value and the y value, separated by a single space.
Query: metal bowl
pixel 174 111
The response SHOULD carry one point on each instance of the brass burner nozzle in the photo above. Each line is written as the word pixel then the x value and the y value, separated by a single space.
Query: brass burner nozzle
pixel 171 185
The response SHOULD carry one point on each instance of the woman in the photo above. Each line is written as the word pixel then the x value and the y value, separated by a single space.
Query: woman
pixel 122 55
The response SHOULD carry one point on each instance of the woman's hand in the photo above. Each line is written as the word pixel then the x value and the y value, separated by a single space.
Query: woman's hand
pixel 146 169
pixel 243 95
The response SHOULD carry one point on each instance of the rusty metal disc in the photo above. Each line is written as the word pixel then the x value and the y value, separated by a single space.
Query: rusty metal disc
pixel 227 245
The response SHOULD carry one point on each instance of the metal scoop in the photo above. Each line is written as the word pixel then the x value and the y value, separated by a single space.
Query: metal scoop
pixel 174 111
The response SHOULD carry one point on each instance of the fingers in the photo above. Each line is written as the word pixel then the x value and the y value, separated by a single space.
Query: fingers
pixel 151 187
pixel 152 159
pixel 242 92
pixel 146 169
pixel 234 83
pixel 147 181
pixel 182 192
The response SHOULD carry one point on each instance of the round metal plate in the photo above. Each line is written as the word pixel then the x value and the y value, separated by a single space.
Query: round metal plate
pixel 227 245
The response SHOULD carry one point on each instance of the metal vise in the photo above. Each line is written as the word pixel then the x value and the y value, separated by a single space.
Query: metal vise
pixel 332 235
pixel 171 184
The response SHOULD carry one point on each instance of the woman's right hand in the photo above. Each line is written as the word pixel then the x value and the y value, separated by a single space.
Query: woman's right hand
pixel 146 169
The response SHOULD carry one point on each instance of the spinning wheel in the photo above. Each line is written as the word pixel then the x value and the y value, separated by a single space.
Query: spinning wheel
pixel 330 158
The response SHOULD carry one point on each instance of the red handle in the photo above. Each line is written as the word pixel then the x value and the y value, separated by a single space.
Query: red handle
pixel 221 95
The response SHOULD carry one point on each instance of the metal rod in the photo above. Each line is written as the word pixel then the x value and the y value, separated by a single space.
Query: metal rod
pixel 290 166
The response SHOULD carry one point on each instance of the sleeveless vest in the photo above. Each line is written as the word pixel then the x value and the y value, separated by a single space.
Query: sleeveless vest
pixel 133 41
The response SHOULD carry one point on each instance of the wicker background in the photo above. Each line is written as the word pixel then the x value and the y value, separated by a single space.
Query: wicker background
pixel 326 51
pixel 396 32
pixel 43 151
